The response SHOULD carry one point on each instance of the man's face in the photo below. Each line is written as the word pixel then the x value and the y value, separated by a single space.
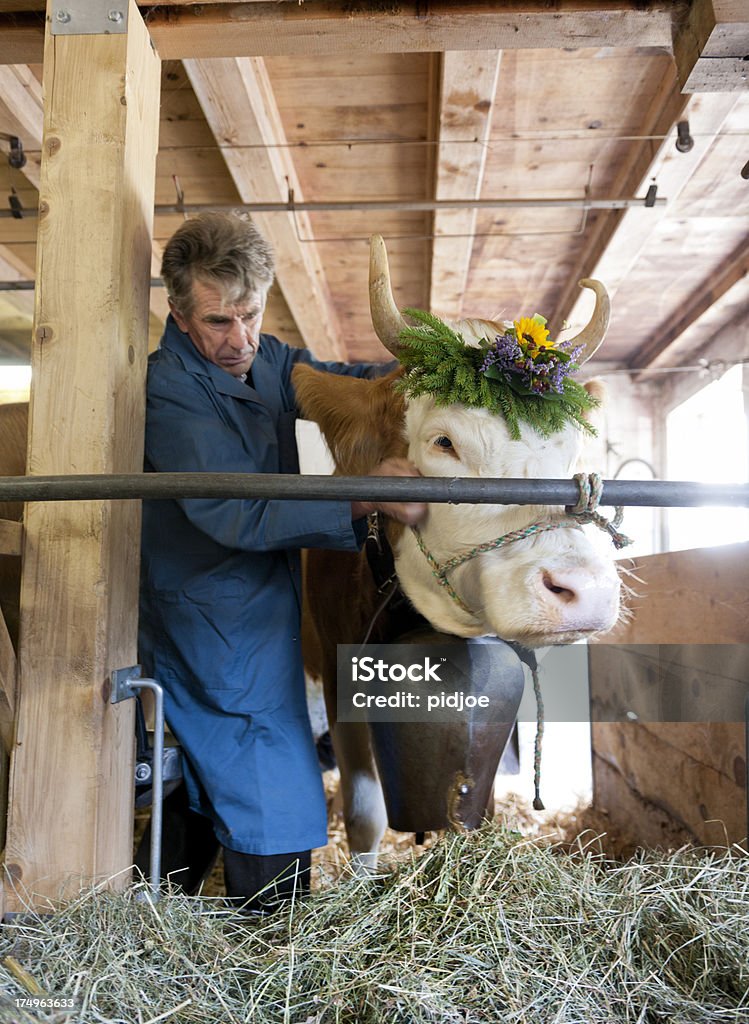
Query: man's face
pixel 227 334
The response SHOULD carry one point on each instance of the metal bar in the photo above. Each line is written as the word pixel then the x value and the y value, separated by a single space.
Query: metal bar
pixel 414 205
pixel 28 286
pixel 404 205
pixel 105 487
pixel 157 792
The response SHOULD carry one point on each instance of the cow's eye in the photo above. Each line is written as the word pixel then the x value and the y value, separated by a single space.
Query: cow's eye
pixel 443 441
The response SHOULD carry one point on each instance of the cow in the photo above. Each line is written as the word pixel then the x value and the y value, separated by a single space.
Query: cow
pixel 550 588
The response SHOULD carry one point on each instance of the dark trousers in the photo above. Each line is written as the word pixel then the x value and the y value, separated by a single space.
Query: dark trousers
pixel 189 850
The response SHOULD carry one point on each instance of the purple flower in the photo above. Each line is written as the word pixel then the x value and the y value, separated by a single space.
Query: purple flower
pixel 539 370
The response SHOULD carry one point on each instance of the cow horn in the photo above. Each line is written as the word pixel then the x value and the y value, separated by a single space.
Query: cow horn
pixel 386 319
pixel 591 336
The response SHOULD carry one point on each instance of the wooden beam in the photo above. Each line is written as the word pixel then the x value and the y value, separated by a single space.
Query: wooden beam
pixel 626 239
pixel 21 38
pixel 21 115
pixel 732 276
pixel 711 48
pixel 19 305
pixel 12 268
pixel 468 88
pixel 633 176
pixel 328 27
pixel 239 105
pixel 8 670
pixel 80 572
pixel 11 537
pixel 21 102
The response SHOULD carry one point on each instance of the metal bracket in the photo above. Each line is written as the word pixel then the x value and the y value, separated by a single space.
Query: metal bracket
pixel 122 683
pixel 88 17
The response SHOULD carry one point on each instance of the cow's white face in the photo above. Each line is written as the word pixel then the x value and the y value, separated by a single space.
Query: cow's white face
pixel 549 589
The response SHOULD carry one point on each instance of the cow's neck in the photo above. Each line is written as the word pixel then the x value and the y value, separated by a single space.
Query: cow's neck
pixel 401 615
pixel 433 602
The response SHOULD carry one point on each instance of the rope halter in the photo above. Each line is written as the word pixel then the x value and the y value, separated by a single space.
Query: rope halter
pixel 575 517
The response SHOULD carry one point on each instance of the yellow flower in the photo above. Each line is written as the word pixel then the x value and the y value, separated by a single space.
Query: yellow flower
pixel 530 334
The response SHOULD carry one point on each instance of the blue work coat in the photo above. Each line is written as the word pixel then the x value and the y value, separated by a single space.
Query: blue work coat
pixel 220 594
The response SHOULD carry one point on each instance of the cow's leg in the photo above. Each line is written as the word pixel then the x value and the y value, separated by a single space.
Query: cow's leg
pixel 363 804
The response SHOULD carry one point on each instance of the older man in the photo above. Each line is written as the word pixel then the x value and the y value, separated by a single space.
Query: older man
pixel 220 586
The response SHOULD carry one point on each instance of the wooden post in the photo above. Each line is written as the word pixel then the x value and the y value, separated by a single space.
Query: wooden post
pixel 70 819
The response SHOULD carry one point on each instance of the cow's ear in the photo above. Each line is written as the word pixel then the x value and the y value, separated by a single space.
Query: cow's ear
pixel 361 420
pixel 596 389
pixel 591 456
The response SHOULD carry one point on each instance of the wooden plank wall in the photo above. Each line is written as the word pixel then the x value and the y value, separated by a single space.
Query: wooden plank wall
pixel 667 783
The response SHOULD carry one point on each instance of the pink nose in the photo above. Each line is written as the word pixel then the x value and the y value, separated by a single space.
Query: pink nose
pixel 579 598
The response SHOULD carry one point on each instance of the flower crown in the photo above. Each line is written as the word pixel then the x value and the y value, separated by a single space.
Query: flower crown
pixel 518 375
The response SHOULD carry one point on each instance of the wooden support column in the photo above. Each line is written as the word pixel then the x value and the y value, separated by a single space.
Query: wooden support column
pixel 71 790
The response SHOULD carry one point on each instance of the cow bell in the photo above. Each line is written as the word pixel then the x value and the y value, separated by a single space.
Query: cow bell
pixel 440 774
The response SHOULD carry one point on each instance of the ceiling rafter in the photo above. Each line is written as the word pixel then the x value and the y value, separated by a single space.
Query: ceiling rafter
pixel 239 105
pixel 22 109
pixel 634 173
pixel 328 27
pixel 723 293
pixel 468 88
pixel 19 304
pixel 635 227
pixel 711 45
pixel 21 115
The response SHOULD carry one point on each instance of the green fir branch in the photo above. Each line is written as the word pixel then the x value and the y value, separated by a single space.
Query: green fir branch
pixel 438 363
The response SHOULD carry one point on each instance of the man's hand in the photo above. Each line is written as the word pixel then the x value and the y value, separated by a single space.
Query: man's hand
pixel 408 512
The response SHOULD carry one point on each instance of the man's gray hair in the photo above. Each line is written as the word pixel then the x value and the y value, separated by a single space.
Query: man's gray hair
pixel 225 249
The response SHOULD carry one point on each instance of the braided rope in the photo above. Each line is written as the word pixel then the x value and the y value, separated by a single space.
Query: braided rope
pixel 538 804
pixel 507 538
pixel 440 571
pixel 585 511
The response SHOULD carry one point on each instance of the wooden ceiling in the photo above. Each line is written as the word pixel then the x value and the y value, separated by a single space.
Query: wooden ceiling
pixel 411 102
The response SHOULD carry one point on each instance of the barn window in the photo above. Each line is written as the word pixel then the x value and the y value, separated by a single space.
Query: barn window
pixel 14 383
pixel 707 439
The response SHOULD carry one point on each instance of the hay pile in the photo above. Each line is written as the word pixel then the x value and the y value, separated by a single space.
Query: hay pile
pixel 483 927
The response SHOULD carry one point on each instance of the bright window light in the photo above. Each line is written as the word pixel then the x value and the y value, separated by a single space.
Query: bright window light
pixel 15 382
pixel 707 441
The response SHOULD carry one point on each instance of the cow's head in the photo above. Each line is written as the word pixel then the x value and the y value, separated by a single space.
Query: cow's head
pixel 549 588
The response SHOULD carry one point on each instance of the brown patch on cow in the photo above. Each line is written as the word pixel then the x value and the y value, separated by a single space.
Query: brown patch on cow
pixel 361 420
pixel 363 424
